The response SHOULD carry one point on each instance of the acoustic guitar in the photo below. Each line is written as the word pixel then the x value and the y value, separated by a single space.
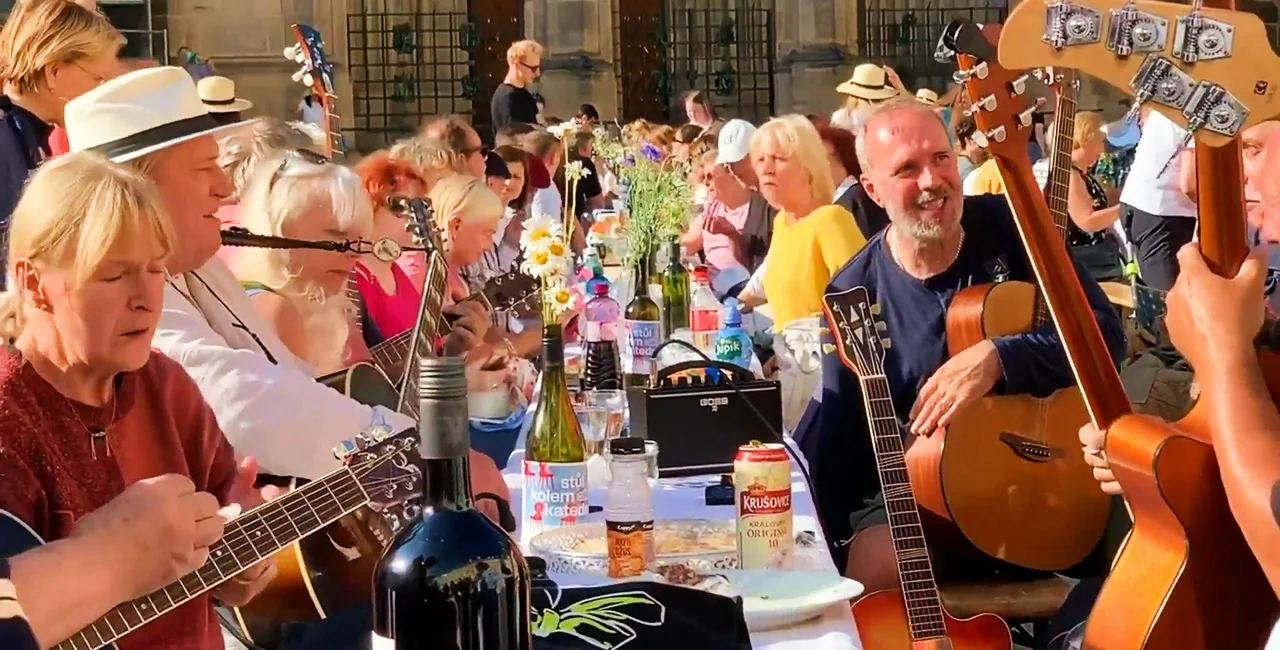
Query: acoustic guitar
pixel 1186 578
pixel 373 468
pixel 1007 476
pixel 330 572
pixel 913 616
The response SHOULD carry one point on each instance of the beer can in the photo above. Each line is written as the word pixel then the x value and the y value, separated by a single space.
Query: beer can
pixel 762 497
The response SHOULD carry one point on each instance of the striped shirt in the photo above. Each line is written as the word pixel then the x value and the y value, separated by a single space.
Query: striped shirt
pixel 15 631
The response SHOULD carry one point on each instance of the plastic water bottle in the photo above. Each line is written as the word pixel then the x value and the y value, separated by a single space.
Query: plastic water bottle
pixel 628 510
pixel 733 344
pixel 704 313
pixel 600 368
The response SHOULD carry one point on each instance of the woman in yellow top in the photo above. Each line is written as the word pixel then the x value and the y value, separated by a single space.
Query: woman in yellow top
pixel 812 239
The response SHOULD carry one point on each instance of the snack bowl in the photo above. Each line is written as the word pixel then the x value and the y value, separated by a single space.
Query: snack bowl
pixel 702 544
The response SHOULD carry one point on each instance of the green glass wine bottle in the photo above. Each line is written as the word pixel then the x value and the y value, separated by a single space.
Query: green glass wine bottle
pixel 642 332
pixel 555 462
pixel 675 292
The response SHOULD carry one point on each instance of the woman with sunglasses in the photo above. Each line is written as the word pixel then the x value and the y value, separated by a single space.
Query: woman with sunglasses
pixel 301 292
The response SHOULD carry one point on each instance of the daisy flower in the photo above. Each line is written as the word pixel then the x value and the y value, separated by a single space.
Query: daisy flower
pixel 559 298
pixel 575 171
pixel 547 259
pixel 538 231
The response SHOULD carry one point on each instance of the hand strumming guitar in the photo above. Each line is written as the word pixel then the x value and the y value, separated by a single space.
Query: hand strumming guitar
pixel 961 381
pixel 470 328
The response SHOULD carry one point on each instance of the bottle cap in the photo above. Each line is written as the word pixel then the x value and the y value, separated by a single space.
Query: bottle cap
pixel 600 289
pixel 441 378
pixel 626 446
pixel 732 313
pixel 700 274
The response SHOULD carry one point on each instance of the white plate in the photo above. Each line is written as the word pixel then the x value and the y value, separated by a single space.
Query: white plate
pixel 774 599
pixel 770 599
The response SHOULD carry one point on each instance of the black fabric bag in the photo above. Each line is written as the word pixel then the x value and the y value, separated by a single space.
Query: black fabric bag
pixel 635 616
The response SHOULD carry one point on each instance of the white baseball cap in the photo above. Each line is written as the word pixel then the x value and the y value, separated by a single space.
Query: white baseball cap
pixel 735 142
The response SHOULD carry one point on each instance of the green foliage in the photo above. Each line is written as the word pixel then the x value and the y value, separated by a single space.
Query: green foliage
pixel 659 202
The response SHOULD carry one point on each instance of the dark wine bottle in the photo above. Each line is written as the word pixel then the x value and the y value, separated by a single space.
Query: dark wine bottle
pixel 642 331
pixel 451 579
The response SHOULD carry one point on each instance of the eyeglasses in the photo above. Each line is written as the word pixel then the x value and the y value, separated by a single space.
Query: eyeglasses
pixel 532 68
pixel 304 155
pixel 98 79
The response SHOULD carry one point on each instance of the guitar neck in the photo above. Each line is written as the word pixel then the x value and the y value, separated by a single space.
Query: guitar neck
pixel 249 539
pixel 424 333
pixel 919 590
pixel 1060 168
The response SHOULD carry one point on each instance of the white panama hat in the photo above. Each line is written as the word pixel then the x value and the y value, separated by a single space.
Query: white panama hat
pixel 139 113
pixel 219 95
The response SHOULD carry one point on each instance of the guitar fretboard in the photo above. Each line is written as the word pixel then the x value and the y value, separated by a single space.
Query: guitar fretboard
pixel 919 590
pixel 423 336
pixel 252 537
pixel 1060 168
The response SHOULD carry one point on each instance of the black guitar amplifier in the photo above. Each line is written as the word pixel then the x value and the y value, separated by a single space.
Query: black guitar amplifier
pixel 699 425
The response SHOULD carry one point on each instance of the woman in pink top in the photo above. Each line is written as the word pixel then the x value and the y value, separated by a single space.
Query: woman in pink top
pixel 390 298
pixel 718 231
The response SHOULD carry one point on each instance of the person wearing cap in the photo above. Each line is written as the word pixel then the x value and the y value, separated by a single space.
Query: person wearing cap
pixel 869 85
pixel 153 121
pixel 219 97
pixel 733 154
pixel 51 51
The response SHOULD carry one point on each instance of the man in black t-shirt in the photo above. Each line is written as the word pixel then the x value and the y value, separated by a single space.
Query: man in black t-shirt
pixel 588 195
pixel 512 101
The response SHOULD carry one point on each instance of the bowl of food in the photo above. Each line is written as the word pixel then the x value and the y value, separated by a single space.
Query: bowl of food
pixel 701 544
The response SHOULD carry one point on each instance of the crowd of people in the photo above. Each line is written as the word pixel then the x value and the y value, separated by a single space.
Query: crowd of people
pixel 151 374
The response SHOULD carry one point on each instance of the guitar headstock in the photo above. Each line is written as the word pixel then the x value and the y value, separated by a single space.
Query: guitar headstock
pixel 419 221
pixel 316 74
pixel 999 100
pixel 386 466
pixel 515 291
pixel 857 329
pixel 1192 65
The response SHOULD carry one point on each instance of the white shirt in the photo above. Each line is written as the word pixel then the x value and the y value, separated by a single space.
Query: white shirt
pixel 547 203
pixel 1148 190
pixel 275 412
pixel 313 114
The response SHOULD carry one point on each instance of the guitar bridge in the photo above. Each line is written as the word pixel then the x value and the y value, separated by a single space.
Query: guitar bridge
pixel 1067 24
pixel 1160 81
pixel 1136 32
pixel 1028 449
pixel 1198 38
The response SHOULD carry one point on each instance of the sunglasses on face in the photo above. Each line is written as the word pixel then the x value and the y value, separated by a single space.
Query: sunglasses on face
pixel 532 68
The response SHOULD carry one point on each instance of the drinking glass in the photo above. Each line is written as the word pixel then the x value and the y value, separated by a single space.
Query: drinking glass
pixel 610 406
pixel 592 420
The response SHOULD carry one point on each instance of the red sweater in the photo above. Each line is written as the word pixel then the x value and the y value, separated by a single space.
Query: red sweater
pixel 158 424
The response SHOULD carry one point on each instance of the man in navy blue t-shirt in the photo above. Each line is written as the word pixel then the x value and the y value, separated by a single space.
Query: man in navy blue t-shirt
pixel 938 243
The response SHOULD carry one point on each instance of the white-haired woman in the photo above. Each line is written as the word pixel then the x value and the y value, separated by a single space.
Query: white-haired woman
pixel 301 293
pixel 86 407
pixel 811 236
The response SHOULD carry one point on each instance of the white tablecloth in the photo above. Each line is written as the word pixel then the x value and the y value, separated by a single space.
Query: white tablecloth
pixel 683 498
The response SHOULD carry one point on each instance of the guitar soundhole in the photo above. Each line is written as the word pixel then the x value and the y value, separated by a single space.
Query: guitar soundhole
pixel 1028 449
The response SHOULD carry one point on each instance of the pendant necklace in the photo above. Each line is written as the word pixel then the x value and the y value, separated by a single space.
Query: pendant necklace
pixel 94 436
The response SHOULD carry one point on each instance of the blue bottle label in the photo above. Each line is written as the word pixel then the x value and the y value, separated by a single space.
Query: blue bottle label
pixel 555 495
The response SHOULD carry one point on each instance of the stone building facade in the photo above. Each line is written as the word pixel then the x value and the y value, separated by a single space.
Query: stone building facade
pixel 397 61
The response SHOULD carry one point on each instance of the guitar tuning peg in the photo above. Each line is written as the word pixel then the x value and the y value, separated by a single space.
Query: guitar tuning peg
pixel 345 449
pixel 293 52
pixel 875 309
pixel 303 76
pixel 378 434
pixel 881 326
pixel 980 139
pixel 886 343
pixel 1019 85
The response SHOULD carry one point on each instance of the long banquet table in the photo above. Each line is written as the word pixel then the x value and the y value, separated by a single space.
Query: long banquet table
pixel 683 498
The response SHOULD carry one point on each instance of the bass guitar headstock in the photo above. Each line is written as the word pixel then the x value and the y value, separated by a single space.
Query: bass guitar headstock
pixel 858 330
pixel 999 99
pixel 1208 70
